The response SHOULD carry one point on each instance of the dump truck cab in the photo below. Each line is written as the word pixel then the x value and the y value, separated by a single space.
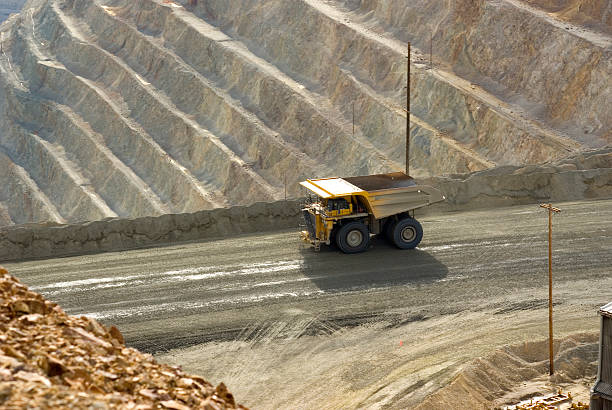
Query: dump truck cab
pixel 348 210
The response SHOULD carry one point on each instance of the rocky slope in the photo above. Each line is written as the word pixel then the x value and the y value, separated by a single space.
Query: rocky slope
pixel 8 7
pixel 133 108
pixel 585 176
pixel 50 360
pixel 500 379
pixel 596 14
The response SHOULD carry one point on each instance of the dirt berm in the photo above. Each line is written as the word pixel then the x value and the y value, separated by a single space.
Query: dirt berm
pixel 495 380
pixel 585 176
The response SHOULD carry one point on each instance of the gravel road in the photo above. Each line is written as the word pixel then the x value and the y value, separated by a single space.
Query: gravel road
pixel 285 324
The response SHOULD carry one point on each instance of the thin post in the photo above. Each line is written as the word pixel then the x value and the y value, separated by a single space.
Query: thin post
pixel 408 112
pixel 551 209
pixel 550 304
pixel 431 51
pixel 353 118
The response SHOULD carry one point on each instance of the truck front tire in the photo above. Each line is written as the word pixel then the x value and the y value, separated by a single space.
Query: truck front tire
pixel 354 237
pixel 407 233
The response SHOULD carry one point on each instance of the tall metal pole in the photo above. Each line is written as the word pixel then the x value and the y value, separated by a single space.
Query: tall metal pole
pixel 408 113
pixel 551 209
pixel 550 304
pixel 353 118
pixel 431 51
pixel 285 182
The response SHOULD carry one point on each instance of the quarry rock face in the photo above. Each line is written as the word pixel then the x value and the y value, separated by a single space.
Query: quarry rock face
pixel 8 7
pixel 587 175
pixel 117 108
pixel 596 14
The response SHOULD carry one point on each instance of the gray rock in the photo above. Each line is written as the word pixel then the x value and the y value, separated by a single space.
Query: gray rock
pixel 144 108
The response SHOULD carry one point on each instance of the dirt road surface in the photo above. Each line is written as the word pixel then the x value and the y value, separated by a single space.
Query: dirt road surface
pixel 291 328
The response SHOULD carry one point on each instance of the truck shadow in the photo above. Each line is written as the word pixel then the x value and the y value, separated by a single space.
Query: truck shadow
pixel 382 265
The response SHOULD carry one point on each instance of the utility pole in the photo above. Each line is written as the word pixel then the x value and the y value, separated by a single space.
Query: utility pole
pixel 408 112
pixel 353 118
pixel 551 209
pixel 431 51
pixel 285 183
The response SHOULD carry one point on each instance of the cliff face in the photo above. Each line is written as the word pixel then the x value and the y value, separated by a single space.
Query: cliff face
pixel 596 14
pixel 556 73
pixel 8 7
pixel 146 107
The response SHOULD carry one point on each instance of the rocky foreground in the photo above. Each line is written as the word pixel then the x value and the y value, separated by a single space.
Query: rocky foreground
pixel 51 360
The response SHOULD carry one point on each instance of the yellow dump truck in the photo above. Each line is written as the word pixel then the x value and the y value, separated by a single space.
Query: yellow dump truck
pixel 348 210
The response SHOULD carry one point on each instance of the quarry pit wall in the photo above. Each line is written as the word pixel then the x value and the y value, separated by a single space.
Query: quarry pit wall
pixel 504 186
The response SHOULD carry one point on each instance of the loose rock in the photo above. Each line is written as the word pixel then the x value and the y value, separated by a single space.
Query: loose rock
pixel 51 360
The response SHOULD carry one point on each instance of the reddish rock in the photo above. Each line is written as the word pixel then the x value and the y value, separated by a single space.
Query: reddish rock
pixel 51 360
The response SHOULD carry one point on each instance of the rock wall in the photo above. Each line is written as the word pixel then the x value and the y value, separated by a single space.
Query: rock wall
pixel 552 73
pixel 592 13
pixel 442 104
pixel 8 7
pixel 586 176
pixel 51 240
pixel 117 108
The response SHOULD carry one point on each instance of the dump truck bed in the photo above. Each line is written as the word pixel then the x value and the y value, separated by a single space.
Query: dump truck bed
pixel 383 194
pixel 379 182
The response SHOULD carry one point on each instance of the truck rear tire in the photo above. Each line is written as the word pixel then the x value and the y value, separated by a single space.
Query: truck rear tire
pixel 354 237
pixel 407 233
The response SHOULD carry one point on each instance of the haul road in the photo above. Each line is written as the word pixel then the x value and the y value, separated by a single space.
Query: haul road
pixel 187 294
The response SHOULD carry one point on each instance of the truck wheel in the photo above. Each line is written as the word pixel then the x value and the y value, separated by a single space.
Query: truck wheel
pixel 407 233
pixel 353 237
